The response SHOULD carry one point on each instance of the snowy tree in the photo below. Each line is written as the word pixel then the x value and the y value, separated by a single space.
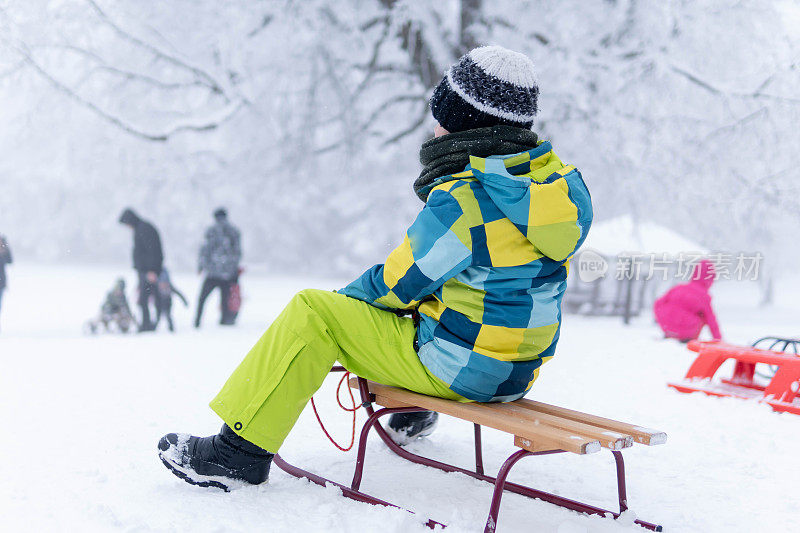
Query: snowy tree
pixel 304 118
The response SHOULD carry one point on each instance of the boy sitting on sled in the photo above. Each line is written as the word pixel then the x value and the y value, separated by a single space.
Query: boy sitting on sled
pixel 483 267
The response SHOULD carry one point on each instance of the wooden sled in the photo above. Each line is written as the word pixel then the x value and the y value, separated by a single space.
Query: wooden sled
pixel 537 429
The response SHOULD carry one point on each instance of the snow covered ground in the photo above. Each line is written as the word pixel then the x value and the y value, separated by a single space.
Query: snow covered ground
pixel 81 416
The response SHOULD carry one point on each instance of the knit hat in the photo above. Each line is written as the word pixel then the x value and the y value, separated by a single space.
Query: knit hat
pixel 488 86
pixel 220 213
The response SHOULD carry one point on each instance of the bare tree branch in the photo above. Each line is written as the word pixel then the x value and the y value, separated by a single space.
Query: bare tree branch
pixel 207 78
pixel 265 20
pixel 409 130
pixel 539 37
pixel 135 76
pixel 117 121
pixel 471 27
pixel 393 102
pixel 372 64
pixel 329 148
pixel 102 66
pixel 757 94
pixel 420 54
pixel 758 113
pixel 696 80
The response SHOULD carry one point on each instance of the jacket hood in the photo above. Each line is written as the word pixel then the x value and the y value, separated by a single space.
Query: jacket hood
pixel 703 274
pixel 129 217
pixel 510 179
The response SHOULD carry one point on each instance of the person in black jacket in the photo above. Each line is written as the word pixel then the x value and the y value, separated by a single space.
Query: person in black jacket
pixel 148 259
pixel 5 259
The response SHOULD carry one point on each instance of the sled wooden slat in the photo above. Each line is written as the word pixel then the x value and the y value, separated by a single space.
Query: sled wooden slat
pixel 540 436
pixel 649 437
pixel 612 440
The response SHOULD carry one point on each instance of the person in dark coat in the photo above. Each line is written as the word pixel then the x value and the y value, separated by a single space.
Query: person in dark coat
pixel 5 259
pixel 219 260
pixel 164 299
pixel 148 259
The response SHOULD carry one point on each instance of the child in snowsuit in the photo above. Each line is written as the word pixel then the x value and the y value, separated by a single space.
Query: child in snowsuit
pixel 483 268
pixel 164 294
pixel 114 311
pixel 685 309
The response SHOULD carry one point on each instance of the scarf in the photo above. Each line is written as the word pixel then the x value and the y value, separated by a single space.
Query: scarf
pixel 449 154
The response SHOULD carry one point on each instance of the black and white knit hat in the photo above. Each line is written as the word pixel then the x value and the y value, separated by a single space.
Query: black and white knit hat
pixel 488 86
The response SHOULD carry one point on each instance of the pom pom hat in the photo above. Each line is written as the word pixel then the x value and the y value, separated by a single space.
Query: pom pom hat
pixel 488 86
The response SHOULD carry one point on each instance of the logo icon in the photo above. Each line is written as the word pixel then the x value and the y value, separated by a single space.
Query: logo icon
pixel 591 266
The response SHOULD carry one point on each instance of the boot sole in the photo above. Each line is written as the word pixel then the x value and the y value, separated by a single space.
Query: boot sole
pixel 199 480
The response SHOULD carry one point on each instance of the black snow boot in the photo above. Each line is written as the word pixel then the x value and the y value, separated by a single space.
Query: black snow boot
pixel 225 461
pixel 405 427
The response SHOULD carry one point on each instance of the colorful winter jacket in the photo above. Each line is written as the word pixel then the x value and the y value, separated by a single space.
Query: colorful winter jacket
pixel 221 251
pixel 485 265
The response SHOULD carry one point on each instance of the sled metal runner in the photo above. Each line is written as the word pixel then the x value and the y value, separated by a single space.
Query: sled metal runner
pixel 500 481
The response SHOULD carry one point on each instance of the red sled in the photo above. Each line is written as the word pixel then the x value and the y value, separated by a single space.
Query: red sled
pixel 781 393
pixel 235 298
pixel 231 307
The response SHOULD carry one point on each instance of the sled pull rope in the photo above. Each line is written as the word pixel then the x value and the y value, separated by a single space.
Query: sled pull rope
pixel 345 377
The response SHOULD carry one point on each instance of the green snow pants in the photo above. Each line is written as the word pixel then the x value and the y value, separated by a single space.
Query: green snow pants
pixel 265 395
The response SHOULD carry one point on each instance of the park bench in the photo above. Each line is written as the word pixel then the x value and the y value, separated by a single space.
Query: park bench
pixel 782 391
pixel 537 429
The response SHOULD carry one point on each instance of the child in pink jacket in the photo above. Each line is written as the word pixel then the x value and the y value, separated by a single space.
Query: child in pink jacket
pixel 685 309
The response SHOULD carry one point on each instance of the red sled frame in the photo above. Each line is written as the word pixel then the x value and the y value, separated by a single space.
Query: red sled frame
pixel 783 391
pixel 500 481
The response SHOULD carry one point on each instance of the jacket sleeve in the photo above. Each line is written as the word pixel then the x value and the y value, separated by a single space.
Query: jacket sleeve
pixel 436 248
pixel 711 319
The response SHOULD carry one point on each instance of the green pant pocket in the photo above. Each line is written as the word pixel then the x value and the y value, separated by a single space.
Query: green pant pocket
pixel 277 373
